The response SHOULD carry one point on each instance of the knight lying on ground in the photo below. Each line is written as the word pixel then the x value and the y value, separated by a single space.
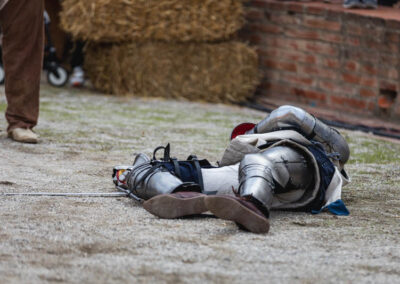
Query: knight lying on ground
pixel 288 161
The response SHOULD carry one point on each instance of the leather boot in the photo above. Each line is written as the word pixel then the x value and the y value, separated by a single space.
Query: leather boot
pixel 241 210
pixel 175 205
pixel 23 135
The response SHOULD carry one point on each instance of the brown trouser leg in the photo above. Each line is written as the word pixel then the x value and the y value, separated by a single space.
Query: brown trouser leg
pixel 23 42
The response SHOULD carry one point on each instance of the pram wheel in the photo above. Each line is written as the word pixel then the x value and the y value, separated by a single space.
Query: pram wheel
pixel 58 77
pixel 2 74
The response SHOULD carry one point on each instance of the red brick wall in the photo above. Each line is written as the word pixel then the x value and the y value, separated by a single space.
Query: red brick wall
pixel 326 57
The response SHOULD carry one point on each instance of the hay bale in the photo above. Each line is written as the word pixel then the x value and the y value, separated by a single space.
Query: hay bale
pixel 223 72
pixel 143 20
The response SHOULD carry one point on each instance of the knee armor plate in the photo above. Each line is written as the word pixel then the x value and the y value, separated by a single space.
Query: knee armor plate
pixel 276 170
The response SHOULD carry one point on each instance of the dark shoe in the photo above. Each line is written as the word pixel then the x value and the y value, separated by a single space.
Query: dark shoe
pixel 352 4
pixel 239 210
pixel 370 4
pixel 175 205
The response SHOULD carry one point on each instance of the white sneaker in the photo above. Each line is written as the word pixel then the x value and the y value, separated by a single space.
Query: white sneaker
pixel 77 77
pixel 23 135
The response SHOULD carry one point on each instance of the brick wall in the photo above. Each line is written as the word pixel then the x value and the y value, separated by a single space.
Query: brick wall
pixel 323 55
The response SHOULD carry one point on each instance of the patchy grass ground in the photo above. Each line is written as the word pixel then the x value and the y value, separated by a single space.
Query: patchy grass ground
pixel 83 135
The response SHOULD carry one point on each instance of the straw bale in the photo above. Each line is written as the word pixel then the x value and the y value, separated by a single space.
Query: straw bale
pixel 222 72
pixel 143 20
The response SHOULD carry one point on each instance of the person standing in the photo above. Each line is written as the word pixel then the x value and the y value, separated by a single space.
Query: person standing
pixel 22 25
pixel 77 78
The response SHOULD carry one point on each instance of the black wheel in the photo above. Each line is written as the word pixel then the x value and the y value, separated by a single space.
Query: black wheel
pixel 57 78
pixel 2 74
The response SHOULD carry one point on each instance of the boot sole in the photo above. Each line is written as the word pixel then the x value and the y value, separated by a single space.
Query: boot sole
pixel 23 140
pixel 169 207
pixel 30 141
pixel 229 209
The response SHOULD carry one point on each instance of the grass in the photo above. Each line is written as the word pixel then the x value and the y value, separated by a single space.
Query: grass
pixel 3 107
pixel 373 151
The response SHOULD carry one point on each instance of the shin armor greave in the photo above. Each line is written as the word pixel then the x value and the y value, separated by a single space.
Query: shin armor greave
pixel 276 170
pixel 146 180
pixel 290 117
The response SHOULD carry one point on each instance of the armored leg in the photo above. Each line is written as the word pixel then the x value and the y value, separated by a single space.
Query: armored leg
pixel 168 197
pixel 276 170
pixel 290 117
pixel 146 180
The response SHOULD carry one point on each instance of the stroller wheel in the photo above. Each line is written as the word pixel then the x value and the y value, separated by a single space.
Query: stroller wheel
pixel 2 74
pixel 57 78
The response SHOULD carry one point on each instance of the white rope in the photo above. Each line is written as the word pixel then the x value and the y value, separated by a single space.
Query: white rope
pixel 67 194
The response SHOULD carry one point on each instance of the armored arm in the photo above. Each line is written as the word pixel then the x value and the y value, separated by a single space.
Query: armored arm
pixel 289 117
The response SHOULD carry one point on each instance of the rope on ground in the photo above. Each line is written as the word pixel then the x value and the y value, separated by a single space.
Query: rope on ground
pixel 67 194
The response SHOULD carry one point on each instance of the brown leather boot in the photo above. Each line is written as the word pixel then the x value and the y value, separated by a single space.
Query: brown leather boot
pixel 240 210
pixel 176 205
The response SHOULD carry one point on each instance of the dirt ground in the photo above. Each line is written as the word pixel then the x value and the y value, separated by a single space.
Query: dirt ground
pixel 92 240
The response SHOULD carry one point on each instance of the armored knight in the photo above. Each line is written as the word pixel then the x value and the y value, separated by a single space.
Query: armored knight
pixel 288 161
